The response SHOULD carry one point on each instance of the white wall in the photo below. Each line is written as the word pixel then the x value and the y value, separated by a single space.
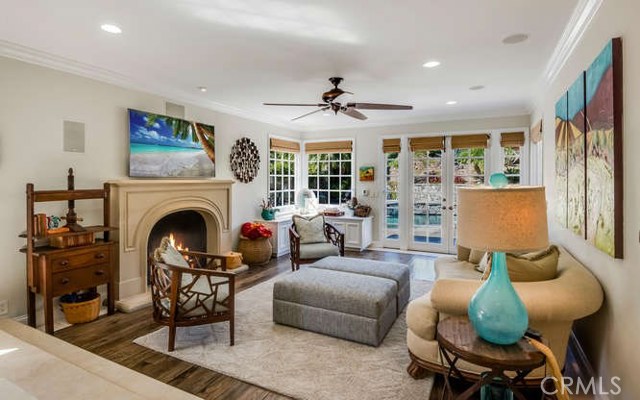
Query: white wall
pixel 368 148
pixel 33 103
pixel 610 336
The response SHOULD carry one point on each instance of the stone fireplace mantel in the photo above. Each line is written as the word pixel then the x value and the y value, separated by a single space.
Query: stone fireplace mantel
pixel 137 204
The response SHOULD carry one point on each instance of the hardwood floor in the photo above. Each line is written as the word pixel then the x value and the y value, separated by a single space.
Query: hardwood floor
pixel 112 337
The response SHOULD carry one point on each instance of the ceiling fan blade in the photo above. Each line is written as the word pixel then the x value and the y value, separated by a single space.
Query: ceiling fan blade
pixel 312 112
pixel 376 106
pixel 353 113
pixel 295 104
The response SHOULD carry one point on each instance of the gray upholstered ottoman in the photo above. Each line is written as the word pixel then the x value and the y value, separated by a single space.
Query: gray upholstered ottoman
pixel 349 306
pixel 399 273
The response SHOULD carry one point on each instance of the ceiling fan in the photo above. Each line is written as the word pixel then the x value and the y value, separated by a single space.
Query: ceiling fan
pixel 330 103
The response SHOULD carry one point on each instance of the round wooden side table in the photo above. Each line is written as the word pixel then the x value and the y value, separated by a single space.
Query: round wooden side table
pixel 457 340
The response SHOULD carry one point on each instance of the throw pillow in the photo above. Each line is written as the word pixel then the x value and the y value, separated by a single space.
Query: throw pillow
pixel 484 263
pixel 463 253
pixel 168 254
pixel 311 230
pixel 532 267
pixel 476 256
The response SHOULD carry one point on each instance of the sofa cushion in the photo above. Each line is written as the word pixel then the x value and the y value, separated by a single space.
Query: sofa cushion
pixel 534 267
pixel 463 253
pixel 475 256
pixel 311 230
pixel 422 318
pixel 318 250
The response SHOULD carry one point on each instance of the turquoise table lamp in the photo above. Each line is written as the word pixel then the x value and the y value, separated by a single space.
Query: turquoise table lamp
pixel 501 219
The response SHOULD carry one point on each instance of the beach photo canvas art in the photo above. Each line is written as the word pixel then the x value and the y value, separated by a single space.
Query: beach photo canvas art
pixel 164 147
pixel 576 179
pixel 604 150
pixel 561 160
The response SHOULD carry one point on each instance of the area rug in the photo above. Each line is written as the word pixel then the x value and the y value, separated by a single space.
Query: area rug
pixel 297 363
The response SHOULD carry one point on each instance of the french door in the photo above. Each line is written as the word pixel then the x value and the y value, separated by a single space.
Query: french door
pixel 420 210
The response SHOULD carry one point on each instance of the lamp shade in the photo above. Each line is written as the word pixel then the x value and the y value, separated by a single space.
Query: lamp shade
pixel 507 219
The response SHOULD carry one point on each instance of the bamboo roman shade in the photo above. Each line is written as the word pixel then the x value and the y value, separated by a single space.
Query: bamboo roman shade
pixel 470 141
pixel 340 146
pixel 426 143
pixel 391 145
pixel 285 145
pixel 512 139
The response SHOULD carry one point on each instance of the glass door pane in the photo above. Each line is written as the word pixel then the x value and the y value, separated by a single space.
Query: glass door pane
pixel 392 211
pixel 427 229
pixel 468 170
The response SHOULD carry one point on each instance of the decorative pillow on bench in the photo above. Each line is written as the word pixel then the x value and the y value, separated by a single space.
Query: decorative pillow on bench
pixel 311 230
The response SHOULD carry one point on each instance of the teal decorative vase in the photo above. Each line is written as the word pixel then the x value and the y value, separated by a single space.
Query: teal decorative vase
pixel 495 311
pixel 268 214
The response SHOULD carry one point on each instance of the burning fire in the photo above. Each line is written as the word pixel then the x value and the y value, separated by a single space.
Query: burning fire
pixel 178 245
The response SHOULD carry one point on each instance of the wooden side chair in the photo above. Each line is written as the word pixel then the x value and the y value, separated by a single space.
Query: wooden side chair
pixel 190 292
pixel 311 239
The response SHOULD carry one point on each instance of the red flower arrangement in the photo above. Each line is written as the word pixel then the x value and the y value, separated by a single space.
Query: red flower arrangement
pixel 253 231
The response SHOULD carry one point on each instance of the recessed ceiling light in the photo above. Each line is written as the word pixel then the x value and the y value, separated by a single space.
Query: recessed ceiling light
pixel 202 89
pixel 451 102
pixel 517 38
pixel 111 28
pixel 431 64
pixel 477 87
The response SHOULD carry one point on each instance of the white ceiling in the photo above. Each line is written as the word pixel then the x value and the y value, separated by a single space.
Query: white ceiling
pixel 252 51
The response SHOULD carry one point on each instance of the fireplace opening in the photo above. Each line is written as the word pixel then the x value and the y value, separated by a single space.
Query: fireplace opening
pixel 188 230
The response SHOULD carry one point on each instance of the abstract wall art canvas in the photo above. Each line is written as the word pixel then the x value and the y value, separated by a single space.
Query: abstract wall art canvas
pixel 603 91
pixel 561 160
pixel 162 147
pixel 367 174
pixel 576 179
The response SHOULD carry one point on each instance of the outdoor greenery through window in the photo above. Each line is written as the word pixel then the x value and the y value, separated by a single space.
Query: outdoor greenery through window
pixel 469 170
pixel 512 164
pixel 329 176
pixel 392 177
pixel 427 196
pixel 282 178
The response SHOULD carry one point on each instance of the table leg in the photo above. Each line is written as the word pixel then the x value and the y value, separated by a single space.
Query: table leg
pixel 110 298
pixel 31 308
pixel 48 313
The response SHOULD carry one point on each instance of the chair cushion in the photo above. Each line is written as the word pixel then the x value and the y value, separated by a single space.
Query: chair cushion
pixel 422 318
pixel 168 254
pixel 475 256
pixel 311 230
pixel 318 250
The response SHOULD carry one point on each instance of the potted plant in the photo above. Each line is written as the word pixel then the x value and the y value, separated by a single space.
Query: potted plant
pixel 268 210
pixel 254 243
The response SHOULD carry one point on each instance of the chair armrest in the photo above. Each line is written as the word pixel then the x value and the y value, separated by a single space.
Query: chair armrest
pixel 294 241
pixel 201 271
pixel 334 236
pixel 552 300
pixel 209 259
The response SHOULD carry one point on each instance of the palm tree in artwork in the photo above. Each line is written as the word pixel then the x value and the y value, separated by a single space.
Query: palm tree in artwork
pixel 182 129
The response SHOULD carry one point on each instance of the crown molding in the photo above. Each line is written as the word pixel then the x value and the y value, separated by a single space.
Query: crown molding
pixel 578 23
pixel 42 58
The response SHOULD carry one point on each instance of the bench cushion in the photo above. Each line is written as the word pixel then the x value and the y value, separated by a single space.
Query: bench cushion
pixel 354 294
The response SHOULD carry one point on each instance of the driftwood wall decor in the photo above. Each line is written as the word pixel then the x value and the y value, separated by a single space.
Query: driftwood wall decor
pixel 245 160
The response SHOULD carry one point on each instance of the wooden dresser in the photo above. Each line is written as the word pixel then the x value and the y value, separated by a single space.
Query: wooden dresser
pixel 52 271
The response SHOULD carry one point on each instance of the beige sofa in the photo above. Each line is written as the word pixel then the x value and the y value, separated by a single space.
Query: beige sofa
pixel 552 305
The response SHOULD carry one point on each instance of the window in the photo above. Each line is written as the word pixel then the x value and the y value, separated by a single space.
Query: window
pixel 282 178
pixel 329 176
pixel 512 164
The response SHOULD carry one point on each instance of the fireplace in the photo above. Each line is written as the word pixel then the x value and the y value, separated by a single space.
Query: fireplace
pixel 198 212
pixel 187 230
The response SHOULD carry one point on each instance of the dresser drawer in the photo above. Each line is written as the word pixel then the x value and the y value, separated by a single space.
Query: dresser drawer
pixel 80 278
pixel 82 258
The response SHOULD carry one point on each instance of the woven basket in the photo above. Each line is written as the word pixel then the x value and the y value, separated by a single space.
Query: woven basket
pixel 84 311
pixel 255 252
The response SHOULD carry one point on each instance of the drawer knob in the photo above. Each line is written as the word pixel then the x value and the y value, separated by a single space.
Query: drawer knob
pixel 64 263
pixel 100 255
pixel 64 281
pixel 99 272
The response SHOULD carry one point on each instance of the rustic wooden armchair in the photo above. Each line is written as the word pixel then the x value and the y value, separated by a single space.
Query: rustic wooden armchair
pixel 329 242
pixel 192 291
